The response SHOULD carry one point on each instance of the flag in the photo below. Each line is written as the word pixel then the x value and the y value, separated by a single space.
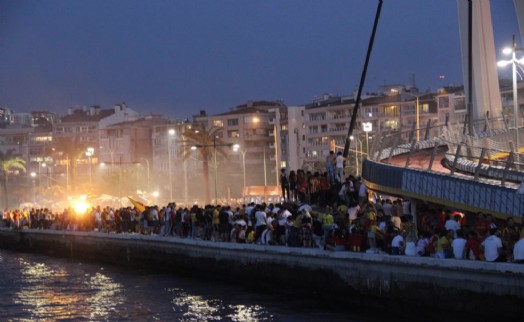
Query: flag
pixel 138 205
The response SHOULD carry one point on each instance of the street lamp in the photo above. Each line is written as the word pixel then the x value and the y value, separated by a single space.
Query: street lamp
pixel 171 133
pixel 33 175
pixel 89 154
pixel 367 127
pixel 236 147
pixel 357 142
pixel 215 145
pixel 503 63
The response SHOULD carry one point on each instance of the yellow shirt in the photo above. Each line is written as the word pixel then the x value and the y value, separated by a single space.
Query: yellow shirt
pixel 216 219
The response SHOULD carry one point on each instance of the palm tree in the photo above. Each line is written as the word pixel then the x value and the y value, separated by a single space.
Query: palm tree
pixel 207 142
pixel 9 163
pixel 72 148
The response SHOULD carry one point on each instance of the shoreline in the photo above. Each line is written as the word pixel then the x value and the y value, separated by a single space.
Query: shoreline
pixel 449 285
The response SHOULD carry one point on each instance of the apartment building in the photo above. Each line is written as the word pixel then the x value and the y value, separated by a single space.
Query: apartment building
pixel 260 129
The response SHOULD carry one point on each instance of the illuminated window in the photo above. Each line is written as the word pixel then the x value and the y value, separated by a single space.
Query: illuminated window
pixel 218 123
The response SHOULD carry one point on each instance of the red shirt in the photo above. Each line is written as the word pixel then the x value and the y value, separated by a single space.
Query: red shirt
pixel 473 245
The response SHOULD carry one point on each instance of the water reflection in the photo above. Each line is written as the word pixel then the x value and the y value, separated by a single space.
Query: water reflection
pixel 51 293
pixel 40 288
pixel 107 297
pixel 38 293
pixel 198 308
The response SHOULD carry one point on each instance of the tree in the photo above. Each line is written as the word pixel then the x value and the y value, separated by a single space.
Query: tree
pixel 207 142
pixel 72 148
pixel 9 163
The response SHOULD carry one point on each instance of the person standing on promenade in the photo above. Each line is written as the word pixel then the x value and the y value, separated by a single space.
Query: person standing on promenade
pixel 492 247
pixel 444 244
pixel 292 186
pixel 473 246
pixel 339 167
pixel 284 184
pixel 260 222
pixel 397 243
pixel 167 220
pixel 327 224
pixel 518 251
pixel 453 224
pixel 459 245
pixel 510 235
pixel 330 166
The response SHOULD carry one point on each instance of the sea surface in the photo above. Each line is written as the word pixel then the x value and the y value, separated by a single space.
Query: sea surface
pixel 36 287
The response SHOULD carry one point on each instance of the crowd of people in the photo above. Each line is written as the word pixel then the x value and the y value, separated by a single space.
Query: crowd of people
pixel 316 210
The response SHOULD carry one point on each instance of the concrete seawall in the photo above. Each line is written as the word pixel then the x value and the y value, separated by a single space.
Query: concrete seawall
pixel 354 278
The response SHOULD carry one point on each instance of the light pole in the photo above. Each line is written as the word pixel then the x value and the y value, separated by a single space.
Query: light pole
pixel 367 127
pixel 503 63
pixel 237 148
pixel 357 142
pixel 171 134
pixel 89 154
pixel 33 175
pixel 214 146
pixel 265 176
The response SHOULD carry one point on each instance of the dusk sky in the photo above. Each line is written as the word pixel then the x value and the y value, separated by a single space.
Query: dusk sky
pixel 178 57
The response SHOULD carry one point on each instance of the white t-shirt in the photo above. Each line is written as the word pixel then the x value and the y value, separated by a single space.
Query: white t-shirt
pixel 261 218
pixel 283 217
pixel 340 161
pixel 491 246
pixel 363 190
pixel 396 221
pixel 518 250
pixel 98 216
pixel 398 241
pixel 452 224
pixel 387 209
pixel 458 247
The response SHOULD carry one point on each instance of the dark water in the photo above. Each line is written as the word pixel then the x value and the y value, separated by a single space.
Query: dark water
pixel 40 288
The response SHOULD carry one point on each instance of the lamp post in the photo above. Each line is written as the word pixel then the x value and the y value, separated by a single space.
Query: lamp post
pixel 171 134
pixel 367 127
pixel 265 176
pixel 33 175
pixel 44 165
pixel 89 154
pixel 503 63
pixel 237 148
pixel 357 141
pixel 214 146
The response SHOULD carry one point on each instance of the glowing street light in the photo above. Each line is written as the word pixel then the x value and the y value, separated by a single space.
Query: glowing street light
pixel 89 153
pixel 171 134
pixel 33 176
pixel 356 150
pixel 367 127
pixel 503 63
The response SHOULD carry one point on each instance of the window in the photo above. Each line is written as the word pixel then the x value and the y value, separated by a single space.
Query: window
pixel 233 134
pixel 218 123
pixel 392 110
pixel 232 122
pixel 443 102
pixel 460 104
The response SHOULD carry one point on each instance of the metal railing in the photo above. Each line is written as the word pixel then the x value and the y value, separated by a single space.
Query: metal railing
pixel 489 154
